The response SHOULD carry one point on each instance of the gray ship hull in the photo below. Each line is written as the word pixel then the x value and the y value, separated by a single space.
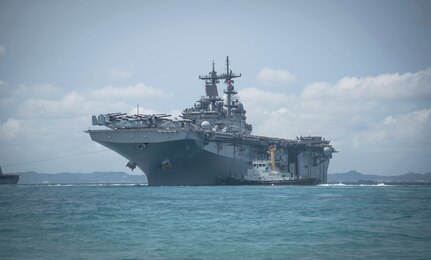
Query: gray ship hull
pixel 189 163
pixel 189 166
pixel 187 158
pixel 196 167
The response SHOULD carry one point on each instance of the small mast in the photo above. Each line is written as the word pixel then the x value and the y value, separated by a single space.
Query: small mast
pixel 211 81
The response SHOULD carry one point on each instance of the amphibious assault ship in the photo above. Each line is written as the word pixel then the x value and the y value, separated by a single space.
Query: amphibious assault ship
pixel 211 144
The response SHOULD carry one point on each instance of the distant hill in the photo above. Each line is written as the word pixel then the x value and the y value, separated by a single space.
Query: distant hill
pixel 66 177
pixel 354 176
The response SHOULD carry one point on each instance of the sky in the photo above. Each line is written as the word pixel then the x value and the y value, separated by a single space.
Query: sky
pixel 357 73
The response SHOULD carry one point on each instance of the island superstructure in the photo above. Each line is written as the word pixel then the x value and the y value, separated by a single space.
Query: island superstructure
pixel 211 144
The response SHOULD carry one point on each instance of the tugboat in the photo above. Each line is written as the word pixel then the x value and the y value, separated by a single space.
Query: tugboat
pixel 264 172
pixel 8 178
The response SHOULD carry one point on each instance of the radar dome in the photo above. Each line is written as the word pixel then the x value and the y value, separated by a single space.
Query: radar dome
pixel 327 151
pixel 205 125
pixel 198 105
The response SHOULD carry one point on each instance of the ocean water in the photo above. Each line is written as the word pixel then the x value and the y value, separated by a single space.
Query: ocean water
pixel 244 222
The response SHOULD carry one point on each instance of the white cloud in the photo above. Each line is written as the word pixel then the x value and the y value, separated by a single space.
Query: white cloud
pixel 354 112
pixel 264 99
pixel 120 74
pixel 136 91
pixel 47 101
pixel 407 131
pixel 275 77
pixel 44 91
pixel 383 87
pixel 70 105
pixel 10 129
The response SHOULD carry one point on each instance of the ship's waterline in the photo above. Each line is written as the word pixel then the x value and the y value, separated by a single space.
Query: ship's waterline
pixel 211 143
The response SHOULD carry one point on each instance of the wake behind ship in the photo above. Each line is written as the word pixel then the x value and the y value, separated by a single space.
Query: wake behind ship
pixel 211 144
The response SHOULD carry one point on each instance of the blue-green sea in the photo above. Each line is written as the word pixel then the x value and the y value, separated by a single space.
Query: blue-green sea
pixel 243 222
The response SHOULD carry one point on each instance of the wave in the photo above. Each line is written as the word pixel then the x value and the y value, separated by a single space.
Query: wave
pixel 87 184
pixel 353 185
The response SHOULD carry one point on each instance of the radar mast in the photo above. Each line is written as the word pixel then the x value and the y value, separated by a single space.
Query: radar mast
pixel 211 81
pixel 229 91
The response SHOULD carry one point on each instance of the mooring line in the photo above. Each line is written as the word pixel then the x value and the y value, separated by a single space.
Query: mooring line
pixel 53 158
